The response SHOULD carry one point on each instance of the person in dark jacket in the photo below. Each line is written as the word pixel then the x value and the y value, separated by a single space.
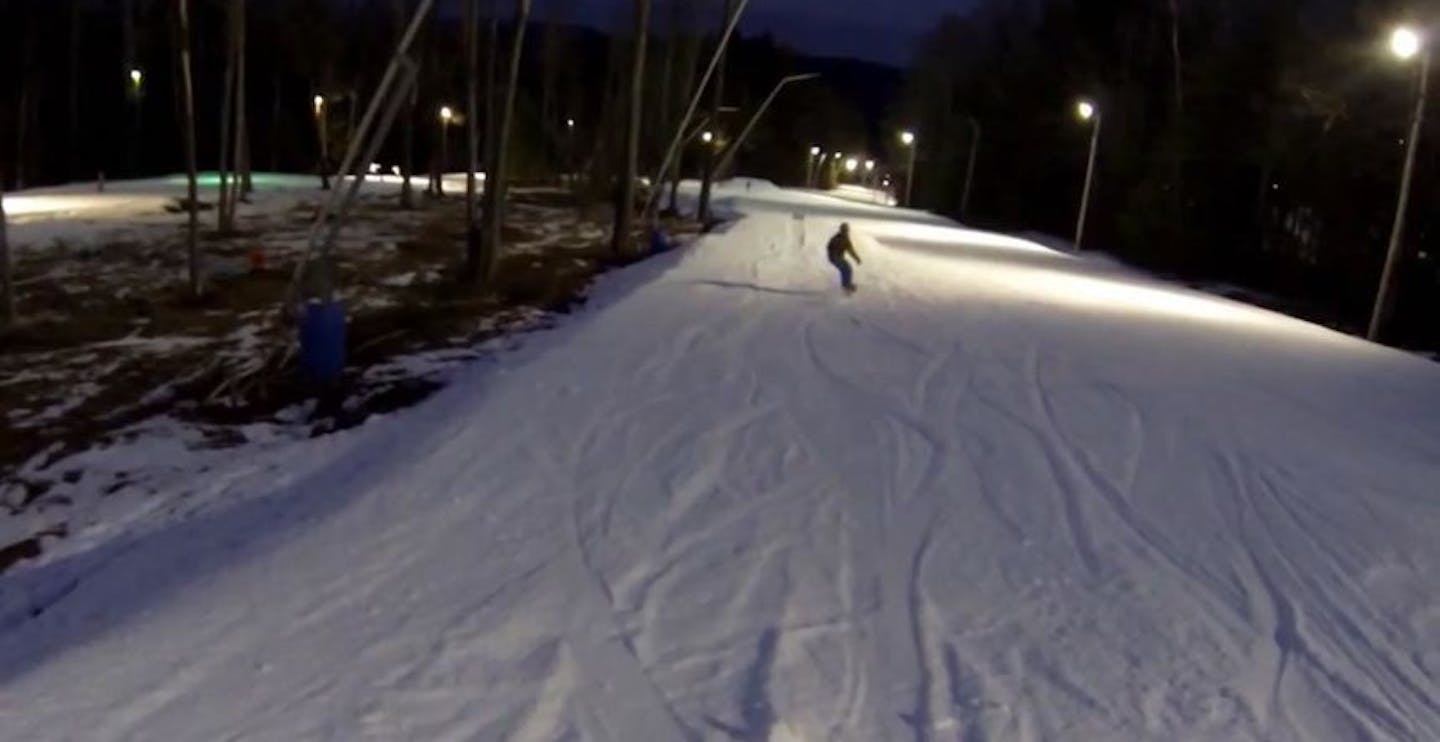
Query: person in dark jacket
pixel 838 250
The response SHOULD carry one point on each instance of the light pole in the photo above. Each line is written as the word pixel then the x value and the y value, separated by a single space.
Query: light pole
pixel 970 168
pixel 323 132
pixel 447 116
pixel 811 163
pixel 135 90
pixel 907 138
pixel 1087 111
pixel 734 148
pixel 569 145
pixel 1405 43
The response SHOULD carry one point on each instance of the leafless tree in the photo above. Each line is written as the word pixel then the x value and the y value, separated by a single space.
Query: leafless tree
pixel 187 97
pixel 625 194
pixel 493 218
pixel 716 102
pixel 7 281
pixel 472 135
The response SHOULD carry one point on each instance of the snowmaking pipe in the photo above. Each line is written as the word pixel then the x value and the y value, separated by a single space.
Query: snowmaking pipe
pixel 400 64
pixel 729 157
pixel 679 138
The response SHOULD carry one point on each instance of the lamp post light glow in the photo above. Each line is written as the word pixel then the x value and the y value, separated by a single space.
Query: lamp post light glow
pixel 1088 112
pixel 1406 43
pixel 812 166
pixel 908 139
pixel 447 115
pixel 137 78
pixel 322 132
pixel 708 137
pixel 570 124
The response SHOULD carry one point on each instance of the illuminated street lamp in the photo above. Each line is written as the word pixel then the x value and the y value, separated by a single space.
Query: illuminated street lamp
pixel 907 138
pixel 322 131
pixel 447 117
pixel 810 166
pixel 136 91
pixel 1088 112
pixel 1406 44
pixel 851 165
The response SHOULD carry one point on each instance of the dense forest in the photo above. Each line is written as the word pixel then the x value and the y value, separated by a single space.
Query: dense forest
pixel 70 111
pixel 1253 143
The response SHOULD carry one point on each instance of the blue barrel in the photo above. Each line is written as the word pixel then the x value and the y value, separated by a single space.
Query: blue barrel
pixel 322 341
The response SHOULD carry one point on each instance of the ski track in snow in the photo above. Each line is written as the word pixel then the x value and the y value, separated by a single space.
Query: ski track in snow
pixel 998 494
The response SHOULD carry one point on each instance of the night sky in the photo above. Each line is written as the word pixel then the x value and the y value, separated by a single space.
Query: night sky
pixel 875 30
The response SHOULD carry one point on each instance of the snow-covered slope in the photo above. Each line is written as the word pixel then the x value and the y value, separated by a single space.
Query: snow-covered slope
pixel 999 494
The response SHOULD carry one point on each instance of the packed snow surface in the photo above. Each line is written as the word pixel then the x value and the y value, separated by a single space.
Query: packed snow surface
pixel 1001 493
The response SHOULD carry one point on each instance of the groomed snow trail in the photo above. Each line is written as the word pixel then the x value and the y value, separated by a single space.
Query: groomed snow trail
pixel 999 494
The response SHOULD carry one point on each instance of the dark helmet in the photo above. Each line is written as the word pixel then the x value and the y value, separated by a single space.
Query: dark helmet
pixel 844 228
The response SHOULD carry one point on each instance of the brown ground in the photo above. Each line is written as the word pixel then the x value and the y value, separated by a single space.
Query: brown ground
pixel 110 338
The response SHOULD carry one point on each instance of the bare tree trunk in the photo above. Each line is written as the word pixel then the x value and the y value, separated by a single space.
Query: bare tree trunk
pixel 407 157
pixel 708 176
pixel 223 222
pixel 73 166
pixel 7 281
pixel 187 89
pixel 472 144
pixel 242 118
pixel 494 216
pixel 492 74
pixel 23 112
pixel 275 124
pixel 1175 58
pixel 625 197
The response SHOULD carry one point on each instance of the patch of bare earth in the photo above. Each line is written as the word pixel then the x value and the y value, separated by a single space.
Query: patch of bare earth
pixel 110 339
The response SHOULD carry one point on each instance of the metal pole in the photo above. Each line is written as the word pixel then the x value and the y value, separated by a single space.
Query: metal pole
pixel 7 281
pixel 970 169
pixel 1089 179
pixel 444 155
pixel 1392 255
pixel 694 105
pixel 729 157
pixel 910 177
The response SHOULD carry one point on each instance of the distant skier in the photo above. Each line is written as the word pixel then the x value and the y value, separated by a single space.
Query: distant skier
pixel 839 249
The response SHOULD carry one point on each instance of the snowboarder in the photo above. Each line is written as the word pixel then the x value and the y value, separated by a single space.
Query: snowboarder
pixel 839 248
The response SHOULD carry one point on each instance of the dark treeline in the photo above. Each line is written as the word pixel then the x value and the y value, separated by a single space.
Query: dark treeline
pixel 68 110
pixel 1258 143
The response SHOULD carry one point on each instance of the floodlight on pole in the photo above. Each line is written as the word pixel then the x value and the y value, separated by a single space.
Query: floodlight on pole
pixel 1088 112
pixel 1406 43
pixel 908 139
pixel 570 123
pixel 319 104
pixel 447 115
pixel 137 78
pixel 707 137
